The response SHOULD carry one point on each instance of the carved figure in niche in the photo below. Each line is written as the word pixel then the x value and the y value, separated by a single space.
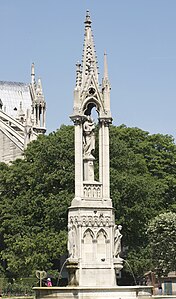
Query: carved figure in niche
pixel 71 241
pixel 88 137
pixel 117 240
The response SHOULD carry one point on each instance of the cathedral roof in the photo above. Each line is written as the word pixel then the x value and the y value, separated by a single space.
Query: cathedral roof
pixel 15 96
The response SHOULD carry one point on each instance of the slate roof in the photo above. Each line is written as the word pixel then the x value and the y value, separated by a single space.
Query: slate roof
pixel 12 94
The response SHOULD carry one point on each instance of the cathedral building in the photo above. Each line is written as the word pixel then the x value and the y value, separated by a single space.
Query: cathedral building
pixel 22 116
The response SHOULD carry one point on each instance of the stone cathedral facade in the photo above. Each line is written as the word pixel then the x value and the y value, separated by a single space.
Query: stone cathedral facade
pixel 22 116
pixel 94 241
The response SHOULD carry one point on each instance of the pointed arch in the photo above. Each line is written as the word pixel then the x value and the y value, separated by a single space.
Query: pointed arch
pixel 88 232
pixel 89 104
pixel 101 232
pixel 88 246
pixel 101 245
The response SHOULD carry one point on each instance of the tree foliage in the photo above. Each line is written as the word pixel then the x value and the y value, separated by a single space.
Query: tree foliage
pixel 162 242
pixel 36 193
pixel 143 185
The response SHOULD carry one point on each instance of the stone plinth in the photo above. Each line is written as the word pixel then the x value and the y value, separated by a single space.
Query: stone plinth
pixel 120 292
pixel 88 166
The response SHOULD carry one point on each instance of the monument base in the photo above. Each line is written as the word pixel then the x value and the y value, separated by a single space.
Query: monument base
pixel 118 292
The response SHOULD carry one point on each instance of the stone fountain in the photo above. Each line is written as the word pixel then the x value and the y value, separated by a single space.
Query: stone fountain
pixel 94 240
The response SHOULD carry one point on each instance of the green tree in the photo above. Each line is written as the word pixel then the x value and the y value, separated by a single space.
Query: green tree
pixel 35 195
pixel 162 242
pixel 142 186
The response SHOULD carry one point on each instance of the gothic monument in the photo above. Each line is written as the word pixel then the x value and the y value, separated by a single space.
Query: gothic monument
pixel 94 241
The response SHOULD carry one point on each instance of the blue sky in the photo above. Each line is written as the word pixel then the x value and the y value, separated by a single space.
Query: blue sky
pixel 139 37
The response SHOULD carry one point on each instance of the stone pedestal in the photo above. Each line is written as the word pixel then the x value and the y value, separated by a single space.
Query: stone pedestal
pixel 88 166
pixel 72 267
pixel 91 235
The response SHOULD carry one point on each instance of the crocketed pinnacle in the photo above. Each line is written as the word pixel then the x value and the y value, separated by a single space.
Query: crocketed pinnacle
pixel 89 62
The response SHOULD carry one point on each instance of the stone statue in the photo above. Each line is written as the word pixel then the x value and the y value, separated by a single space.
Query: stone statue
pixel 71 241
pixel 117 240
pixel 88 137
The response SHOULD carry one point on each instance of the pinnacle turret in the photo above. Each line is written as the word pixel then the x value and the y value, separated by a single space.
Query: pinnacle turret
pixel 89 62
pixel 33 73
pixel 105 66
pixel 38 103
pixel 106 88
pixel 105 81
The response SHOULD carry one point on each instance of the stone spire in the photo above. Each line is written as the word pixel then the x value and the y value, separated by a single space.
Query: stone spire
pixel 106 88
pixel 87 92
pixel 105 66
pixel 89 62
pixel 32 73
pixel 38 103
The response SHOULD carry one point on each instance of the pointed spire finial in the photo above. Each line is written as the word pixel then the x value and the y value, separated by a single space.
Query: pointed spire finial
pixel 105 66
pixel 89 62
pixel 87 20
pixel 32 73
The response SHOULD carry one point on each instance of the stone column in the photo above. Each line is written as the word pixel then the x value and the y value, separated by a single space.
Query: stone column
pixel 104 157
pixel 78 159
